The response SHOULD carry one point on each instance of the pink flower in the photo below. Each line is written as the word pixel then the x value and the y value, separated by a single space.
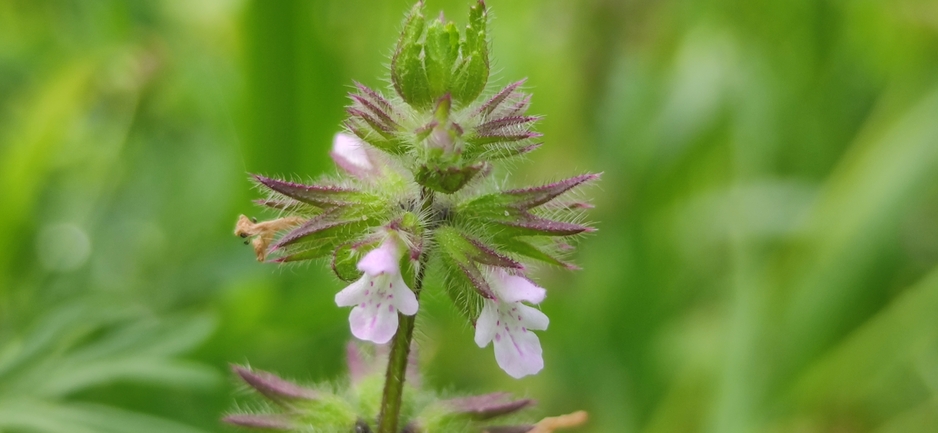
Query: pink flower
pixel 379 295
pixel 509 322
pixel 353 156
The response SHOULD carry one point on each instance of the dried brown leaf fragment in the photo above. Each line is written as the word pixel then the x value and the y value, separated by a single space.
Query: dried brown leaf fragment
pixel 263 232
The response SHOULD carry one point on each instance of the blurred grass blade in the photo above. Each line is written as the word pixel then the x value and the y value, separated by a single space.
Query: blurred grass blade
pixel 27 150
pixel 921 418
pixel 44 417
pixel 862 367
pixel 68 378
pixel 890 168
pixel 60 329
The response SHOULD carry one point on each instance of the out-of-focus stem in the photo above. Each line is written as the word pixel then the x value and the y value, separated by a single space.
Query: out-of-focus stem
pixel 400 349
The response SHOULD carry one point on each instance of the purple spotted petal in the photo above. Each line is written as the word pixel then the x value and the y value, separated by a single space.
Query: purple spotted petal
pixel 518 353
pixel 403 298
pixel 510 327
pixel 375 322
pixel 379 295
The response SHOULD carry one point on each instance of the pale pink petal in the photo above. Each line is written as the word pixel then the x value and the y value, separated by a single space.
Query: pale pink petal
pixel 486 324
pixel 351 155
pixel 403 298
pixel 518 353
pixel 359 321
pixel 385 323
pixel 512 288
pixel 379 295
pixel 532 318
pixel 375 322
pixel 354 294
pixel 381 260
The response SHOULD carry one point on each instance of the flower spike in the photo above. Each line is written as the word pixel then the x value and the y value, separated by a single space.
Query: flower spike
pixel 414 196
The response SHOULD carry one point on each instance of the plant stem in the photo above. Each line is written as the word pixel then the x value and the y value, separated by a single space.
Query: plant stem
pixel 400 348
pixel 397 369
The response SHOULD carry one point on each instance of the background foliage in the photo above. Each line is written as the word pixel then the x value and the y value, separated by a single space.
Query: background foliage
pixel 767 247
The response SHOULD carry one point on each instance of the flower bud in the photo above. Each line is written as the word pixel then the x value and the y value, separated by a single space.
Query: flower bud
pixel 407 70
pixel 472 73
pixel 431 60
pixel 441 52
pixel 351 155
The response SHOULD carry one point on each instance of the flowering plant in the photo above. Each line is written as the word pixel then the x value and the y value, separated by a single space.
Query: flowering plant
pixel 416 191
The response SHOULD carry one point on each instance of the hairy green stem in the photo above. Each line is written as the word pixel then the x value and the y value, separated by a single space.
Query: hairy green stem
pixel 392 398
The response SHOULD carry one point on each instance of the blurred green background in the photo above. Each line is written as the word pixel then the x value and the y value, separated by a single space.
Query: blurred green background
pixel 768 214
